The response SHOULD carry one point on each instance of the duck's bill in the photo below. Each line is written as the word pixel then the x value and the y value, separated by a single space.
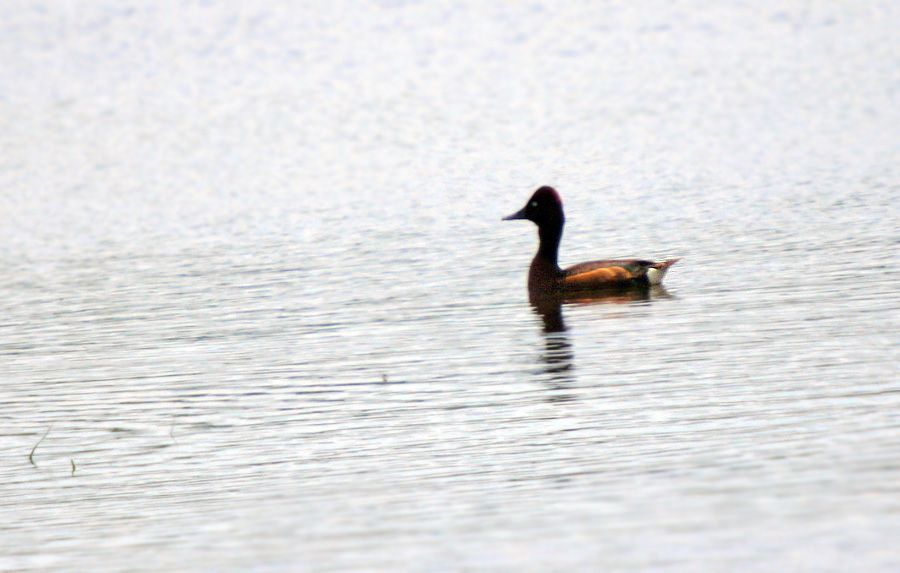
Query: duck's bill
pixel 520 214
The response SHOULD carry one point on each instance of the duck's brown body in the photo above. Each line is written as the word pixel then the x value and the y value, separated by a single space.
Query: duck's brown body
pixel 545 277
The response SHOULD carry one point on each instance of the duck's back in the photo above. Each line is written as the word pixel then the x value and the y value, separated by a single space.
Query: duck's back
pixel 614 272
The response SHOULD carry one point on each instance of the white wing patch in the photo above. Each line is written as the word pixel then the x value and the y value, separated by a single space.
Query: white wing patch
pixel 655 276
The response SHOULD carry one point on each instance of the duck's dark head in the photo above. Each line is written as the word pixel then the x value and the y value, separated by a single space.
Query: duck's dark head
pixel 544 209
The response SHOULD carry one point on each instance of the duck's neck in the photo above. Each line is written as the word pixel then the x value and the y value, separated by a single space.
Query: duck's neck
pixel 550 234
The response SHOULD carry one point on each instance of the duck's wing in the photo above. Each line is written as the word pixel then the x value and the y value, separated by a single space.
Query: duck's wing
pixel 614 272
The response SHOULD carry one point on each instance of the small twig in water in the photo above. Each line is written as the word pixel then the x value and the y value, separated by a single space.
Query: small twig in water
pixel 31 455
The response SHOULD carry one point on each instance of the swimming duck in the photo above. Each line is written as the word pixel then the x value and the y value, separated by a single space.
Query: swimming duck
pixel 545 277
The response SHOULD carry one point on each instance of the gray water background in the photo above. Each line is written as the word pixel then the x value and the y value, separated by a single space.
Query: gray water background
pixel 253 279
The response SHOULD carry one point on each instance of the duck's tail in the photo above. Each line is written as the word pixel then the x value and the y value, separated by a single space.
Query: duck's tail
pixel 657 271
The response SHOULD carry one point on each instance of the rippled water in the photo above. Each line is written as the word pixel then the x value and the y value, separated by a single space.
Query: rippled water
pixel 254 282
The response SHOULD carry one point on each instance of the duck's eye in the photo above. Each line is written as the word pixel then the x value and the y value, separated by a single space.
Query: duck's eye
pixel 533 204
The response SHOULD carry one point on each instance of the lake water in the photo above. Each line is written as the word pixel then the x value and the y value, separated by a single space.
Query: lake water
pixel 254 282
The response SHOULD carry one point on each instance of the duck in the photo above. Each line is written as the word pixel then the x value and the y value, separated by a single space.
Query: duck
pixel 546 278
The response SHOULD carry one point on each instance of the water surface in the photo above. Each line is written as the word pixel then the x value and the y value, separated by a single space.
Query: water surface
pixel 253 279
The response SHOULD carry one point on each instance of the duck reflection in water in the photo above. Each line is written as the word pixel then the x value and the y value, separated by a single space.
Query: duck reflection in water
pixel 558 357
